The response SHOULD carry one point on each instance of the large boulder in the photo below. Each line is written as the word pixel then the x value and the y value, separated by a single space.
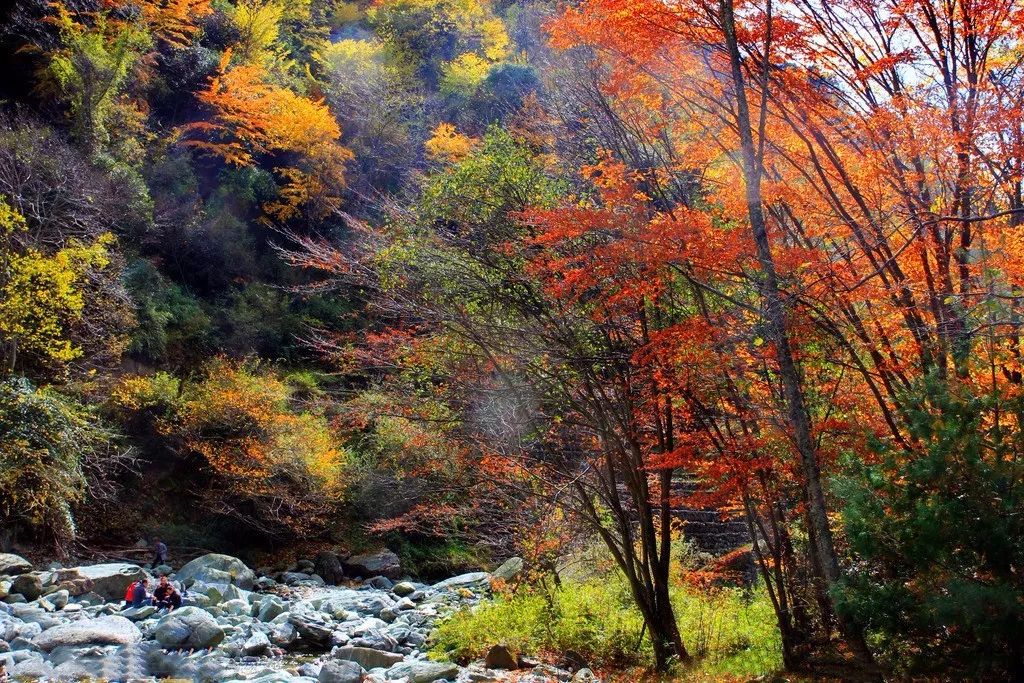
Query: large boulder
pixel 378 563
pixel 188 628
pixel 328 567
pixel 109 580
pixel 106 630
pixel 11 564
pixel 423 671
pixel 367 657
pixel 215 568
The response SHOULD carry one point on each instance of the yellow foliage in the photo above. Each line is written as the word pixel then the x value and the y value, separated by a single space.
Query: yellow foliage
pixel 447 144
pixel 240 421
pixel 137 392
pixel 40 294
pixel 362 54
pixel 494 39
pixel 342 13
pixel 10 220
pixel 464 74
pixel 258 23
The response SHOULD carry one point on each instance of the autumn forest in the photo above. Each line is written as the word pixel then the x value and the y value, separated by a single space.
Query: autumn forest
pixel 711 311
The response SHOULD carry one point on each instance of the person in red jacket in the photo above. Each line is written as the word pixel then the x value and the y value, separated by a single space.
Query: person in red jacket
pixel 137 595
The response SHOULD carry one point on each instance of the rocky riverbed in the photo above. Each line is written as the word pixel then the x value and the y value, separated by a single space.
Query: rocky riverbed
pixel 240 625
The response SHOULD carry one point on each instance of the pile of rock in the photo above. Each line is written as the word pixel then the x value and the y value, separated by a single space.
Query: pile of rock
pixel 240 625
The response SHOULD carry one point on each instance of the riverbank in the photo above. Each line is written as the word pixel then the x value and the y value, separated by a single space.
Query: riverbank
pixel 240 625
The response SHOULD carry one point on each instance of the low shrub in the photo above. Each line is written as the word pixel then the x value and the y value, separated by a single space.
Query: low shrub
pixel 730 631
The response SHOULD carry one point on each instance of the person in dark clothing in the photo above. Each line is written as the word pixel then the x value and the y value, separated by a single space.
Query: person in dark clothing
pixel 137 594
pixel 165 596
pixel 159 553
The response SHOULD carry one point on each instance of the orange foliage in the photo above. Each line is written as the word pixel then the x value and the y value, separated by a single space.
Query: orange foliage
pixel 254 118
pixel 893 204
pixel 175 21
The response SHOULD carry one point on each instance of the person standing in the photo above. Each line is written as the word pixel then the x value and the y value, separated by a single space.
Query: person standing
pixel 159 553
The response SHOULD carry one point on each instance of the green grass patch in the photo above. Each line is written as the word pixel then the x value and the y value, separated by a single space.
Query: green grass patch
pixel 732 632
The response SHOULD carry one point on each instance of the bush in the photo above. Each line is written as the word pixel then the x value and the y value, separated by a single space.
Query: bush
pixel 261 460
pixel 730 631
pixel 51 449
pixel 172 324
pixel 937 531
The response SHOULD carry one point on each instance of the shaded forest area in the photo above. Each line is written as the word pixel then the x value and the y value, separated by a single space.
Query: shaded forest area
pixel 474 279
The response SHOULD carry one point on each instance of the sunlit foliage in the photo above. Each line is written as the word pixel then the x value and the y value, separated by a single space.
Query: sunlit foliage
pixel 254 118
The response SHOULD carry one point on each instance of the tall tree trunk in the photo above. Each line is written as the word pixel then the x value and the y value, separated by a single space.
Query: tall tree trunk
pixel 775 319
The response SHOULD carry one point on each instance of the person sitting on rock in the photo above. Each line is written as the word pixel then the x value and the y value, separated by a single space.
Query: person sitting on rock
pixel 165 595
pixel 137 594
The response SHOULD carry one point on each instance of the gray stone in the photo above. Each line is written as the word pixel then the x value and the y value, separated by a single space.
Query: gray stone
pixel 510 569
pixel 188 627
pixel 382 562
pixel 309 669
pixel 109 580
pixel 269 609
pixel 11 564
pixel 58 599
pixel 215 568
pixel 28 585
pixel 105 630
pixel 295 578
pixel 376 640
pixel 257 643
pixel 235 593
pixel 367 657
pixel 465 580
pixel 264 583
pixel 313 628
pixel 403 588
pixel 284 635
pixel 584 676
pixel 424 672
pixel 214 594
pixel 380 583
pixel 237 607
pixel 138 613
pixel 32 669
pixel 337 671
pixel 551 673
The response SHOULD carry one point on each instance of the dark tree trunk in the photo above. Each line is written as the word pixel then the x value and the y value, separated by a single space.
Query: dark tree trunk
pixel 775 319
